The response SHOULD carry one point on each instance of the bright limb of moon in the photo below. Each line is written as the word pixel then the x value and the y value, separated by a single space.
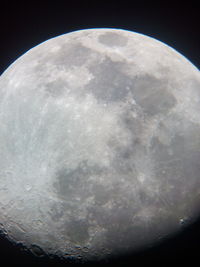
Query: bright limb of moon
pixel 99 144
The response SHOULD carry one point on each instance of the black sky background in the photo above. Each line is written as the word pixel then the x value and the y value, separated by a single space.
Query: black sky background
pixel 22 26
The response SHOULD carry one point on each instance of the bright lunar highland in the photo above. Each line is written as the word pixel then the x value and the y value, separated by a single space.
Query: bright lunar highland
pixel 99 144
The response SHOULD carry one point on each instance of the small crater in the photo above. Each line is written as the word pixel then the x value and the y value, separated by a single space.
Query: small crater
pixel 184 221
pixel 37 251
pixel 113 39
pixel 28 187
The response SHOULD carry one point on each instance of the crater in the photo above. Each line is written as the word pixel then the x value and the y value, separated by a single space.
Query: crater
pixel 37 251
pixel 113 39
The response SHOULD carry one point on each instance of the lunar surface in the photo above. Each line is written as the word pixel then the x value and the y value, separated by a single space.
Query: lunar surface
pixel 99 144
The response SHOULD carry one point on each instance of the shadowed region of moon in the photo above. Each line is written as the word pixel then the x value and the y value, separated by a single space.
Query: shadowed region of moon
pixel 99 145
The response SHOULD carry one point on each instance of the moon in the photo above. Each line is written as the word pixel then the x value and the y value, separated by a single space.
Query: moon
pixel 99 145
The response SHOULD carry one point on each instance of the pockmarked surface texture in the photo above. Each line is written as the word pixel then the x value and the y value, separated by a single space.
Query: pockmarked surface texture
pixel 99 144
